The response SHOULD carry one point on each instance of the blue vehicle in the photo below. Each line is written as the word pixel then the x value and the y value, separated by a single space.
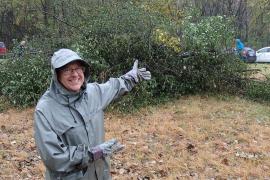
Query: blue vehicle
pixel 248 55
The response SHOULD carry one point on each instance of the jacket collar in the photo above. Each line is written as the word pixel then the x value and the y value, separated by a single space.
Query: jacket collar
pixel 62 95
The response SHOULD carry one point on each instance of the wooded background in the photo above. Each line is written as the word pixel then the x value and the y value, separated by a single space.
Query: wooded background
pixel 187 45
pixel 58 18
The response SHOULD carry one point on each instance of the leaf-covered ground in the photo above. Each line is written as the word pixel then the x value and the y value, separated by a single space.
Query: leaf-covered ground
pixel 192 138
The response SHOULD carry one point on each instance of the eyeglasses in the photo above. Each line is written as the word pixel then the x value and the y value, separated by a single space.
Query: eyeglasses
pixel 69 71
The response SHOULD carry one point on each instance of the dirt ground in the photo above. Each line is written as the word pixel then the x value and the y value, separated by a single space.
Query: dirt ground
pixel 192 138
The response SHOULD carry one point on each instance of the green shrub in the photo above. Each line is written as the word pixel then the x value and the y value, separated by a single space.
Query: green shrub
pixel 208 34
pixel 23 82
pixel 210 66
pixel 111 36
pixel 4 103
pixel 258 90
pixel 118 33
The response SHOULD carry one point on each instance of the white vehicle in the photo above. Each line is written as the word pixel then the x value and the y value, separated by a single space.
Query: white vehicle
pixel 263 55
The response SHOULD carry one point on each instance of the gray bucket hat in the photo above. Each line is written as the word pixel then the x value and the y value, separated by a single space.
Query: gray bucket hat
pixel 64 56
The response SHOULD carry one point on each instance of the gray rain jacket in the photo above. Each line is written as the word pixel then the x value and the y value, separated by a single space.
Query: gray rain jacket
pixel 68 124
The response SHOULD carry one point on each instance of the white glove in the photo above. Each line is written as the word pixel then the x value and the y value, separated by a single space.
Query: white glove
pixel 105 149
pixel 136 74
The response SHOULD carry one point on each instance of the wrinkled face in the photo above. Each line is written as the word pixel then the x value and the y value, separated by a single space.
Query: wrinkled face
pixel 71 76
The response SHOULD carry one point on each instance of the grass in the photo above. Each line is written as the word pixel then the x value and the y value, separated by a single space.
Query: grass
pixel 264 67
pixel 3 60
pixel 264 70
pixel 4 104
pixel 195 137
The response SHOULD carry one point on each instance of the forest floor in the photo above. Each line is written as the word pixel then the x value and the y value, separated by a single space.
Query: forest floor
pixel 196 137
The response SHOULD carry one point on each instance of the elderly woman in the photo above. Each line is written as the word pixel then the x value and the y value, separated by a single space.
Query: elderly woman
pixel 69 119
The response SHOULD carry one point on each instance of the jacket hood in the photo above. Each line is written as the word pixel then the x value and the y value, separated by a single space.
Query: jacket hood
pixel 59 59
pixel 63 57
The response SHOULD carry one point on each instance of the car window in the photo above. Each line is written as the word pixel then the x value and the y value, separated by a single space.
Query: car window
pixel 268 49
pixel 263 50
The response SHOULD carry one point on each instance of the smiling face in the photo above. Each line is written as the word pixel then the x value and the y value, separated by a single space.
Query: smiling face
pixel 71 76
